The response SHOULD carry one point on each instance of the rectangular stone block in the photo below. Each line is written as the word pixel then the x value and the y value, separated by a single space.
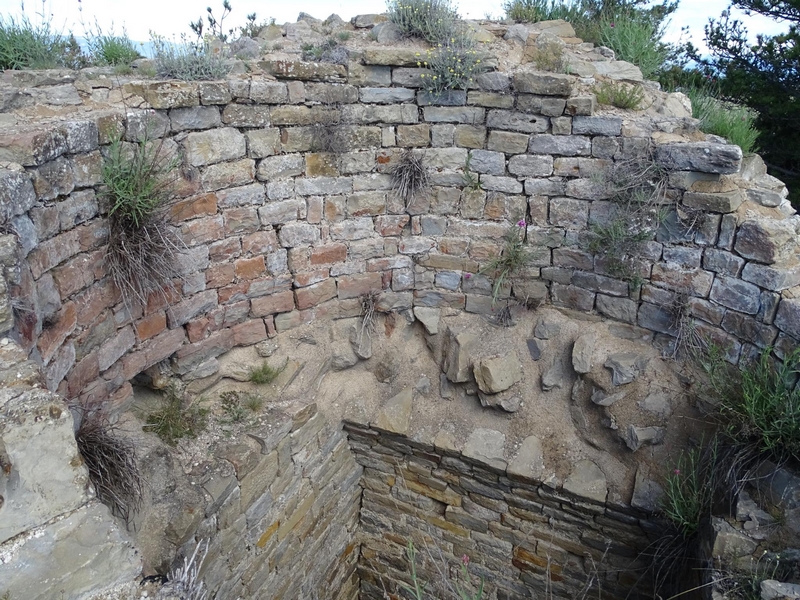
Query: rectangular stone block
pixel 454 114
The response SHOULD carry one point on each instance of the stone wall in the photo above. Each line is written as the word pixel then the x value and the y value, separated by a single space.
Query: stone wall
pixel 281 511
pixel 285 225
pixel 521 536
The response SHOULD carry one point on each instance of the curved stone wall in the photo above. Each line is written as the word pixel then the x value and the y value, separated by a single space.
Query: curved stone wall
pixel 286 208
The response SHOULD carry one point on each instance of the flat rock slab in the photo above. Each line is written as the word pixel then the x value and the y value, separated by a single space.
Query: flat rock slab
pixel 553 377
pixel 647 493
pixel 395 414
pixel 457 355
pixel 546 328
pixel 509 403
pixel 529 460
pixel 587 481
pixel 583 352
pixel 535 348
pixel 636 437
pixel 81 554
pixel 486 445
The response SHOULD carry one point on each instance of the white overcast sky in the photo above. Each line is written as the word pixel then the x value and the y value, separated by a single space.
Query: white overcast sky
pixel 171 17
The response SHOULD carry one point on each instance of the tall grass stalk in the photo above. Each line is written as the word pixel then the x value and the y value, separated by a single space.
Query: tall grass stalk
pixel 533 11
pixel 734 122
pixel 188 61
pixel 108 48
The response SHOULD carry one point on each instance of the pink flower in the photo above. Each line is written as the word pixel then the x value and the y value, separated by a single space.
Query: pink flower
pixel 612 26
pixel 465 560
pixel 677 471
pixel 521 223
pixel 467 275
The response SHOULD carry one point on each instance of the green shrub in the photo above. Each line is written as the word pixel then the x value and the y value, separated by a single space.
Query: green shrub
pixel 175 421
pixel 635 38
pixel 25 45
pixel 532 11
pixel 763 408
pixel 264 374
pixel 550 57
pixel 188 61
pixel 328 51
pixel 343 36
pixel 432 20
pixel 621 95
pixel 453 64
pixel 734 122
pixel 109 48
pixel 514 256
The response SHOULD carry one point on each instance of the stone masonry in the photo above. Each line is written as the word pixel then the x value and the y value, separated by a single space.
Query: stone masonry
pixel 280 232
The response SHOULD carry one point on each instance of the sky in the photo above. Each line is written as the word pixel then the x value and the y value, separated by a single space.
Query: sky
pixel 171 17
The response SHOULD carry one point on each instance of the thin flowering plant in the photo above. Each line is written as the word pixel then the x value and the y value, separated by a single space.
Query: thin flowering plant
pixel 453 64
pixel 688 491
pixel 514 256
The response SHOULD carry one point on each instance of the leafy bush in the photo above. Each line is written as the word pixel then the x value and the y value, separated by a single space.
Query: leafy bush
pixel 532 11
pixel 734 122
pixel 453 64
pixel 621 95
pixel 550 57
pixel 265 373
pixel 175 421
pixel 142 250
pixel 109 48
pixel 328 51
pixel 635 38
pixel 515 256
pixel 431 20
pixel 188 61
pixel 25 45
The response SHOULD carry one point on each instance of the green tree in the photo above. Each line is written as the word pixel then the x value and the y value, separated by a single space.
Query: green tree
pixel 764 75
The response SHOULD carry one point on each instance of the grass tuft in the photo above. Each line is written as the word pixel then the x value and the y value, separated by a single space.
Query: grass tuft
pixel 621 95
pixel 264 374
pixel 174 420
pixel 410 177
pixel 188 61
pixel 142 249
pixel 635 38
pixel 734 122
pixel 533 11
pixel 236 405
pixel 111 461
pixel 109 48
pixel 515 256
pixel 28 45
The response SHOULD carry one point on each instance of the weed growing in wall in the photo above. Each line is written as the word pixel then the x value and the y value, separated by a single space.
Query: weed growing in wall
pixel 431 20
pixel 461 587
pixel 108 48
pixel 453 64
pixel 111 461
pixel 470 178
pixel 238 405
pixel 634 38
pixel 734 122
pixel 550 57
pixel 410 177
pixel 533 11
pixel 175 420
pixel 514 256
pixel 142 249
pixel 328 51
pixel 265 373
pixel 637 191
pixel 621 95
pixel 189 61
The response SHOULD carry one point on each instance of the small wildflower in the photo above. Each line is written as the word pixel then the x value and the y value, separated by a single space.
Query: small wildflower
pixel 677 471
pixel 465 560
pixel 467 275
pixel 521 223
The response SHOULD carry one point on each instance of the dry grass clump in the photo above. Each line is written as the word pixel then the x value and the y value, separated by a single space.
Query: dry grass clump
pixel 174 420
pixel 410 177
pixel 111 461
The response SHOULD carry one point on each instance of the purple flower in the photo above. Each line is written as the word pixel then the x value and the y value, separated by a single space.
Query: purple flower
pixel 521 223
pixel 467 275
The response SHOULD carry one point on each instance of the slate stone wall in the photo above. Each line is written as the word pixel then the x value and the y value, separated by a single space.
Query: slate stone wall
pixel 286 208
pixel 524 538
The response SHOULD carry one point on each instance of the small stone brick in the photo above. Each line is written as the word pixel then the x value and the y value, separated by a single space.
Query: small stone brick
pixel 330 253
pixel 202 231
pixel 315 294
pixel 151 326
pixel 249 332
pixel 413 136
pixel 306 278
pixel 250 268
pixel 272 304
pixel 197 206
pixel 353 286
